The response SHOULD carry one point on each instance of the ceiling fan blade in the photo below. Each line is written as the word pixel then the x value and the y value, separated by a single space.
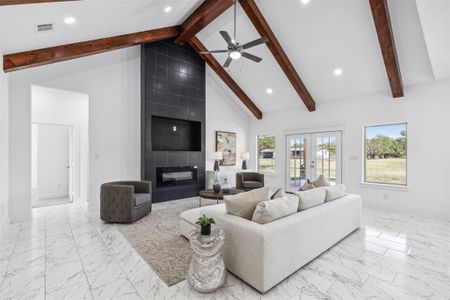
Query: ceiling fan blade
pixel 215 51
pixel 255 42
pixel 228 62
pixel 251 57
pixel 226 37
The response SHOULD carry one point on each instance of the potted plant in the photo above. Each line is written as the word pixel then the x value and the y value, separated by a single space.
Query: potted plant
pixel 205 223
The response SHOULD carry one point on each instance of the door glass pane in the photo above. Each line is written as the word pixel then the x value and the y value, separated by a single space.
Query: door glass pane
pixel 325 160
pixel 297 159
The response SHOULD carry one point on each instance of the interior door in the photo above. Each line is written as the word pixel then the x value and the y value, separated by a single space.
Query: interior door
pixel 310 155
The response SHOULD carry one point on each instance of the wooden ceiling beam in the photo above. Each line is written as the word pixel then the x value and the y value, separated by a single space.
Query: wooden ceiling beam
pixel 263 28
pixel 220 71
pixel 201 17
pixel 34 58
pixel 381 18
pixel 17 2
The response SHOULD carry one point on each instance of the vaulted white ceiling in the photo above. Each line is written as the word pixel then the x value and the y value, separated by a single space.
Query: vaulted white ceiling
pixel 318 37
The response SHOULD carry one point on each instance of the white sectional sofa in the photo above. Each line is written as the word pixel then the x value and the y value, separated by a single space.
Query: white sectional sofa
pixel 264 254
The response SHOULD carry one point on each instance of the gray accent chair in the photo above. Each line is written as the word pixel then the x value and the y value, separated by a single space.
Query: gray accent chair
pixel 125 201
pixel 248 181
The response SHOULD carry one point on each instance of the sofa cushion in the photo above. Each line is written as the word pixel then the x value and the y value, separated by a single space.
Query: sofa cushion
pixel 311 198
pixel 335 192
pixel 251 184
pixel 244 204
pixel 271 210
pixel 320 181
pixel 307 186
pixel 141 198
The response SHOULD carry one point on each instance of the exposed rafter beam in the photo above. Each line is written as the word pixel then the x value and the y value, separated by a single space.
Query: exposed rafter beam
pixel 15 2
pixel 201 17
pixel 380 13
pixel 34 58
pixel 220 71
pixel 263 28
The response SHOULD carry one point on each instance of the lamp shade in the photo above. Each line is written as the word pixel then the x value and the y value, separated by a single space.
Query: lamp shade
pixel 245 155
pixel 217 155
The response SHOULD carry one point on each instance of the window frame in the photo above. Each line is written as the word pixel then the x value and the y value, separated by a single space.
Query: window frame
pixel 257 153
pixel 364 171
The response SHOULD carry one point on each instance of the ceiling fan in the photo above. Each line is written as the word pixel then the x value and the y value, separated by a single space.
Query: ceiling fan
pixel 236 50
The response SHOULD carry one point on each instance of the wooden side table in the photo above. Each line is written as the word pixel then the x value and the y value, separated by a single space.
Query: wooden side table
pixel 207 270
pixel 210 194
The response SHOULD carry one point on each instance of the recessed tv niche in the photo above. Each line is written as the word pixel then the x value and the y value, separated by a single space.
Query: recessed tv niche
pixel 176 135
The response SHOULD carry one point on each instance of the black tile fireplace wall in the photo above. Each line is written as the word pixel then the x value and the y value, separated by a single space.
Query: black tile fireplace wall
pixel 173 86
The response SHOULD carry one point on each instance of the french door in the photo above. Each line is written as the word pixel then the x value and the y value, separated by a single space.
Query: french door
pixel 311 155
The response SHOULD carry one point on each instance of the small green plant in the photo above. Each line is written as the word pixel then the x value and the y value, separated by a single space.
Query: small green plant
pixel 205 221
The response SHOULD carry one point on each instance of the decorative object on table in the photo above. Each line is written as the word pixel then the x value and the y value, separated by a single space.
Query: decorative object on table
pixel 217 156
pixel 207 270
pixel 216 184
pixel 125 201
pixel 226 187
pixel 205 224
pixel 249 181
pixel 210 194
pixel 245 156
pixel 226 144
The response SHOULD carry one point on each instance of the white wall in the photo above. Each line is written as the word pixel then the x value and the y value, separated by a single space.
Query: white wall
pixel 112 82
pixel 56 106
pixel 4 144
pixel 223 114
pixel 426 109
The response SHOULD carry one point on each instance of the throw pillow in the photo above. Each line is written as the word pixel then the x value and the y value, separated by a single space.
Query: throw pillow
pixel 276 193
pixel 320 181
pixel 268 211
pixel 307 186
pixel 311 198
pixel 335 192
pixel 244 204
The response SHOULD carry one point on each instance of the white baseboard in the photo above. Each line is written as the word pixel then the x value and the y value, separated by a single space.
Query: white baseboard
pixel 52 196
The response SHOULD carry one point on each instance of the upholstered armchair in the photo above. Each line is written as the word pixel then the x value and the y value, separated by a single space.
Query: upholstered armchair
pixel 249 181
pixel 125 201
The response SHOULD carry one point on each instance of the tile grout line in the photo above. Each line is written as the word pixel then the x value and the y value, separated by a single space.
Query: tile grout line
pixel 114 256
pixel 79 256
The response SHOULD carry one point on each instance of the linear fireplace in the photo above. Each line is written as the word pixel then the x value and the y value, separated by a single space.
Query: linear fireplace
pixel 174 176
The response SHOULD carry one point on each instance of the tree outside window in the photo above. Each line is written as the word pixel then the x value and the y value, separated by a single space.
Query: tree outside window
pixel 266 154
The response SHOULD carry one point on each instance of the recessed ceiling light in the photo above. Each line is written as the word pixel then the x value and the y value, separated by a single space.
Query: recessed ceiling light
pixel 269 91
pixel 167 9
pixel 70 20
pixel 337 72
pixel 305 1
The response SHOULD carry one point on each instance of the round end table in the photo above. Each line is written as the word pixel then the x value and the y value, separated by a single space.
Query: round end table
pixel 210 194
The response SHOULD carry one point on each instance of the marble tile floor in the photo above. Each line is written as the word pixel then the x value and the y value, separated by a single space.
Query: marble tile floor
pixel 66 252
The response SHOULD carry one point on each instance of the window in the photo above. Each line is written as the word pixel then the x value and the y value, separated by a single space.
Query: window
pixel 266 154
pixel 385 154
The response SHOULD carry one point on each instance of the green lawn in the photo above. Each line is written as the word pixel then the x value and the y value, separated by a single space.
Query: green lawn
pixel 390 170
pixel 267 165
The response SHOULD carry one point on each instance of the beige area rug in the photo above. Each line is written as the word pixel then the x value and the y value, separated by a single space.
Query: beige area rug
pixel 157 239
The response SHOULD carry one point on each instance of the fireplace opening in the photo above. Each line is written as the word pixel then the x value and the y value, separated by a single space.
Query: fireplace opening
pixel 174 176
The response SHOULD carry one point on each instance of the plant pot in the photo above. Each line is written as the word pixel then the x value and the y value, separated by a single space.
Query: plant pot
pixel 206 230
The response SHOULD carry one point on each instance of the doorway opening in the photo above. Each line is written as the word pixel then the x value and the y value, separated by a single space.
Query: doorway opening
pixel 60 152
pixel 311 155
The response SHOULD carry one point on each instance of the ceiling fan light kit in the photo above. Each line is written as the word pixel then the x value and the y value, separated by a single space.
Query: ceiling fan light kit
pixel 235 50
